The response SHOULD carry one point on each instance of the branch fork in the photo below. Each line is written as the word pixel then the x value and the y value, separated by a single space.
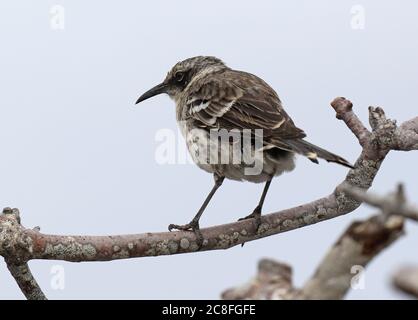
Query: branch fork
pixel 18 245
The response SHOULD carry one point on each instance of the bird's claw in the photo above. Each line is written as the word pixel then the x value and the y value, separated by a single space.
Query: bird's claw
pixel 256 216
pixel 192 226
pixel 184 227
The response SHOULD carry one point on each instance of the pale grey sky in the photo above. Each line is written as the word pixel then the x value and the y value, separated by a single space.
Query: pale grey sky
pixel 78 156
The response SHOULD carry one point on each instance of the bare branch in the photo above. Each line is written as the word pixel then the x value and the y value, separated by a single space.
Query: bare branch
pixel 17 264
pixel 406 280
pixel 272 282
pixel 19 245
pixel 392 204
pixel 406 137
pixel 344 111
pixel 103 248
pixel 359 244
pixel 26 281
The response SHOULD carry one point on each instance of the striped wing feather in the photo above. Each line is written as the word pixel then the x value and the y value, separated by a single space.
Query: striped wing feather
pixel 239 100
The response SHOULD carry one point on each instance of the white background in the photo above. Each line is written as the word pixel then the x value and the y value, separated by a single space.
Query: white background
pixel 77 157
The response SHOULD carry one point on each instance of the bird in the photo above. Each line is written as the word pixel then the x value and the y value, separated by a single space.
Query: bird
pixel 212 98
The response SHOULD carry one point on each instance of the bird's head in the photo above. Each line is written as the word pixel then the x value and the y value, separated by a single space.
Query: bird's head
pixel 182 74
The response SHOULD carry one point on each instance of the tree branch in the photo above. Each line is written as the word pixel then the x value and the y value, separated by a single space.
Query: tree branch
pixel 358 245
pixel 344 111
pixel 26 281
pixel 17 265
pixel 393 203
pixel 272 282
pixel 20 244
pixel 406 280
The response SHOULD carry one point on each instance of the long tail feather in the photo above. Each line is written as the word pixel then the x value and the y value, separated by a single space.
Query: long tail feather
pixel 313 152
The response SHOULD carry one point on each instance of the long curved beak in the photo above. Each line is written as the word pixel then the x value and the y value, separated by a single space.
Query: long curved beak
pixel 161 88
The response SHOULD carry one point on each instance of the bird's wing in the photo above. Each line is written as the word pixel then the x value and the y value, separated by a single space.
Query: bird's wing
pixel 239 100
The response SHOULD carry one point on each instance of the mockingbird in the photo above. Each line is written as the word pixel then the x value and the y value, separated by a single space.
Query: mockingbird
pixel 211 97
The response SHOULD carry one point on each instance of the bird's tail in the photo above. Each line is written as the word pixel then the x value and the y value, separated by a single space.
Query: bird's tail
pixel 312 152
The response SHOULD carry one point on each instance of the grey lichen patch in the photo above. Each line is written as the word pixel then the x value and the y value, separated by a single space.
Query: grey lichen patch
pixel 116 249
pixel 244 232
pixel 173 247
pixel 162 248
pixel 224 241
pixel 321 212
pixel 159 248
pixel 364 173
pixel 26 243
pixel 89 251
pixel 194 246
pixel 71 250
pixel 130 246
pixel 15 244
pixel 222 236
pixel 385 133
pixel 7 234
pixel 150 252
pixel 184 243
pixel 121 254
pixel 290 224
pixel 26 281
pixel 312 218
pixel 263 228
pixel 13 213
pixel 278 224
pixel 231 239
pixel 346 204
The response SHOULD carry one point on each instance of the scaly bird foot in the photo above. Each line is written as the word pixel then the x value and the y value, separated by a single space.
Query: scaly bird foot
pixel 192 226
pixel 256 215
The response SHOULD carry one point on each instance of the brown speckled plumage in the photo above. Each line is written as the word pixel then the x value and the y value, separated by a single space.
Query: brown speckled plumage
pixel 209 97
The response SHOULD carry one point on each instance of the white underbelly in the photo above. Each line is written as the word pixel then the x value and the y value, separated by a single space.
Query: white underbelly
pixel 232 161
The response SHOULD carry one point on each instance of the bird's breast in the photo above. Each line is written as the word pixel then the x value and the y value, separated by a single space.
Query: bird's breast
pixel 230 157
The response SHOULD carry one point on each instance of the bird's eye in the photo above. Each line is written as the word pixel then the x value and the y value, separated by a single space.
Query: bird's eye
pixel 179 76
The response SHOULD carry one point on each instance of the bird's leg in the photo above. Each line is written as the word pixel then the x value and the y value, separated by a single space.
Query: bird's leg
pixel 194 224
pixel 256 215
